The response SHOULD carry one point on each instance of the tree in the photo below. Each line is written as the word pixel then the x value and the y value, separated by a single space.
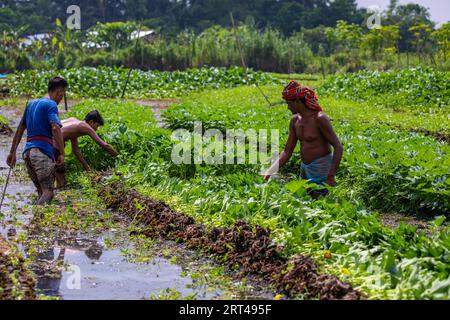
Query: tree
pixel 406 17
pixel 381 41
pixel 14 57
pixel 345 10
pixel 116 34
pixel 422 35
pixel 172 16
pixel 349 36
pixel 442 36
pixel 289 17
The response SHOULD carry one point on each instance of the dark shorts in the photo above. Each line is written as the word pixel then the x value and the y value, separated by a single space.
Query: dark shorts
pixel 41 169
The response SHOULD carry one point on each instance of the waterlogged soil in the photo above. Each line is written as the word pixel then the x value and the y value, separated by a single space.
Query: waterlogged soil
pixel 248 249
pixel 77 249
pixel 101 259
pixel 16 282
pixel 117 267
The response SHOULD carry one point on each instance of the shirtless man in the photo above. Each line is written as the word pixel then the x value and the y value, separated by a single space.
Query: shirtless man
pixel 312 127
pixel 72 129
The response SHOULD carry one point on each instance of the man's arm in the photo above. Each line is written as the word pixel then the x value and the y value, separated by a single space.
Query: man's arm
pixel 59 141
pixel 287 152
pixel 11 160
pixel 77 152
pixel 87 130
pixel 327 130
pixel 55 123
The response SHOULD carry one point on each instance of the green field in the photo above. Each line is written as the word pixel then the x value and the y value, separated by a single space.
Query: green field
pixel 388 167
pixel 179 196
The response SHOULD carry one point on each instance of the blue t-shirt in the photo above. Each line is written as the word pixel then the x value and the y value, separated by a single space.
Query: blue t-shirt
pixel 39 116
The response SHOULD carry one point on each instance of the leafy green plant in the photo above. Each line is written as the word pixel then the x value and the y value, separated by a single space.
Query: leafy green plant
pixel 391 170
pixel 383 168
pixel 417 89
pixel 109 82
pixel 129 127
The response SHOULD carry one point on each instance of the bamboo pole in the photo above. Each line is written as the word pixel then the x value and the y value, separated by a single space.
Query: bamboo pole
pixel 238 41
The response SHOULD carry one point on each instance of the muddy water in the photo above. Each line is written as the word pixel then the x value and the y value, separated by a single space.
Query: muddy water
pixel 78 265
pixel 103 273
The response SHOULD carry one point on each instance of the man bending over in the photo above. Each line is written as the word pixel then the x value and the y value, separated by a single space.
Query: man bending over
pixel 72 129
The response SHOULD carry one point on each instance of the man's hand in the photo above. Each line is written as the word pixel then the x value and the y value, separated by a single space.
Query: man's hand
pixel 11 160
pixel 331 181
pixel 112 152
pixel 60 160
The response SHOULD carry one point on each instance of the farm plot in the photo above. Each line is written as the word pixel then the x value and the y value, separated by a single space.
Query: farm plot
pixel 341 232
pixel 104 82
pixel 79 249
pixel 387 167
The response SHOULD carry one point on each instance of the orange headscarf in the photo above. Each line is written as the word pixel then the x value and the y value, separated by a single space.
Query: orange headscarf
pixel 295 91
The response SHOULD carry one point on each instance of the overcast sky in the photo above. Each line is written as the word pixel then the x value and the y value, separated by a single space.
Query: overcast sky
pixel 439 9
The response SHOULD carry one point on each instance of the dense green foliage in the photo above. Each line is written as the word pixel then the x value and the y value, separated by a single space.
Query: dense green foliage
pixel 265 50
pixel 110 82
pixel 402 118
pixel 129 127
pixel 173 16
pixel 386 166
pixel 416 89
pixel 390 170
pixel 332 37
pixel 401 263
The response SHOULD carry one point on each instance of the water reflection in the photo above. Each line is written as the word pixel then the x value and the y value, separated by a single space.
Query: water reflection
pixel 49 260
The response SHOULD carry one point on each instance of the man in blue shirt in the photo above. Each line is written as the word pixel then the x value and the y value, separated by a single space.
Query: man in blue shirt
pixel 41 120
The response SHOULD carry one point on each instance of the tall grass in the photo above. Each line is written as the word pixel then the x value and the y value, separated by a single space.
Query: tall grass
pixel 266 50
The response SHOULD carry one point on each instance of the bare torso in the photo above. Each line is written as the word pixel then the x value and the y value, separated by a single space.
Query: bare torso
pixel 314 145
pixel 71 129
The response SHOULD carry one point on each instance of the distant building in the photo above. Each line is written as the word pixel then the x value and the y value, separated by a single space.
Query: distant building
pixel 145 35
pixel 148 35
pixel 29 40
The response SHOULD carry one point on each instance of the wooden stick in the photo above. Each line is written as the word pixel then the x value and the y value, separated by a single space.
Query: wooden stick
pixel 129 71
pixel 244 65
pixel 10 169
pixel 65 102
pixel 4 189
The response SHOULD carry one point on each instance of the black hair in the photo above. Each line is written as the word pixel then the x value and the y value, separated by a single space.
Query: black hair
pixel 57 83
pixel 96 117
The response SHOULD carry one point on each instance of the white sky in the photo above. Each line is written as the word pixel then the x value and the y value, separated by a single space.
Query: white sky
pixel 439 9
